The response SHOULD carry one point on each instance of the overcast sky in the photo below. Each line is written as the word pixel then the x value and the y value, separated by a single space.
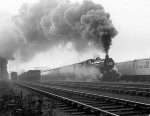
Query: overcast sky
pixel 131 18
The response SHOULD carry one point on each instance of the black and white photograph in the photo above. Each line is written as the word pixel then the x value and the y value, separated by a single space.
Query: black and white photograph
pixel 74 58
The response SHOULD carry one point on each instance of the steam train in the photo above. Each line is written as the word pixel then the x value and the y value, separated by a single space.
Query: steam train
pixel 94 70
pixel 89 70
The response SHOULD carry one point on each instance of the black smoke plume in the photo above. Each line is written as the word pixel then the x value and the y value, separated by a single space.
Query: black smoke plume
pixel 46 24
pixel 99 28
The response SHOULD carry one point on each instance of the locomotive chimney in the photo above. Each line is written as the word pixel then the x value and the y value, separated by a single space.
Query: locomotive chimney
pixel 106 56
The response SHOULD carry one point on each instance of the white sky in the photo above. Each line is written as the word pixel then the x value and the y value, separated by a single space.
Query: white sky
pixel 12 6
pixel 130 17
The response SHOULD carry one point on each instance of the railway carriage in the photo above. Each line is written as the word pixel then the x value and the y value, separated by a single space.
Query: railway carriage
pixel 137 70
pixel 75 72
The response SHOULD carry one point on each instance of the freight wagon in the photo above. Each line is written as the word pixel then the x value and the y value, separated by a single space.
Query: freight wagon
pixel 31 75
pixel 14 76
pixel 22 76
pixel 137 70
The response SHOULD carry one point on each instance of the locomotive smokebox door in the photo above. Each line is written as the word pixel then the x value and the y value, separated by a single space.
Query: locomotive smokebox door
pixel 108 63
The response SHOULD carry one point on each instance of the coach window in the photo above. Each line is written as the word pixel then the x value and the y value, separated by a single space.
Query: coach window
pixel 146 64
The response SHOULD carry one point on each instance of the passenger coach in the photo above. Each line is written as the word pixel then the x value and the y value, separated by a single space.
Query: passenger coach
pixel 137 70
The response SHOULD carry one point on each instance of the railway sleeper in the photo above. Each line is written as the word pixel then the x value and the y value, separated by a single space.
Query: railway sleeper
pixel 119 109
pixel 120 90
pixel 92 88
pixel 104 104
pixel 71 110
pixel 124 103
pixel 146 94
pixel 144 107
pixel 139 93
pixel 129 91
pixel 61 105
pixel 110 107
pixel 132 112
pixel 103 89
pixel 94 97
pixel 94 112
pixel 125 91
pixel 78 113
pixel 65 108
pixel 108 89
pixel 97 104
pixel 89 101
pixel 113 100
pixel 83 99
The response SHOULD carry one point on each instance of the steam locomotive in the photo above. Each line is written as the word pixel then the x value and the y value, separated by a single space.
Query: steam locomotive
pixel 89 70
pixel 107 69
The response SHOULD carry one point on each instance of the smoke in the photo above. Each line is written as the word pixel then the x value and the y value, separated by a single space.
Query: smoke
pixel 116 72
pixel 9 41
pixel 78 72
pixel 46 24
pixel 99 28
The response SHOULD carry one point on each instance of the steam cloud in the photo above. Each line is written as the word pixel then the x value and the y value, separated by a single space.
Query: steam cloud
pixel 49 23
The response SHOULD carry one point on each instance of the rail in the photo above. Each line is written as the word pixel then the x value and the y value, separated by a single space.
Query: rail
pixel 139 107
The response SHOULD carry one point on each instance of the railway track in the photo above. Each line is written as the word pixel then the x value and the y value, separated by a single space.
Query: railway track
pixel 141 85
pixel 80 103
pixel 131 89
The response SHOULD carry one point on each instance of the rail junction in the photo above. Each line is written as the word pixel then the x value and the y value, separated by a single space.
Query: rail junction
pixel 81 103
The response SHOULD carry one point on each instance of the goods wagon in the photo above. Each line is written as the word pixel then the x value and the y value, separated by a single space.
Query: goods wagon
pixel 22 76
pixel 137 70
pixel 14 76
pixel 31 75
pixel 89 70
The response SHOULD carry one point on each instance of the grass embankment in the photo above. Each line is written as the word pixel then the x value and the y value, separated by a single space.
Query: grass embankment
pixel 16 101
